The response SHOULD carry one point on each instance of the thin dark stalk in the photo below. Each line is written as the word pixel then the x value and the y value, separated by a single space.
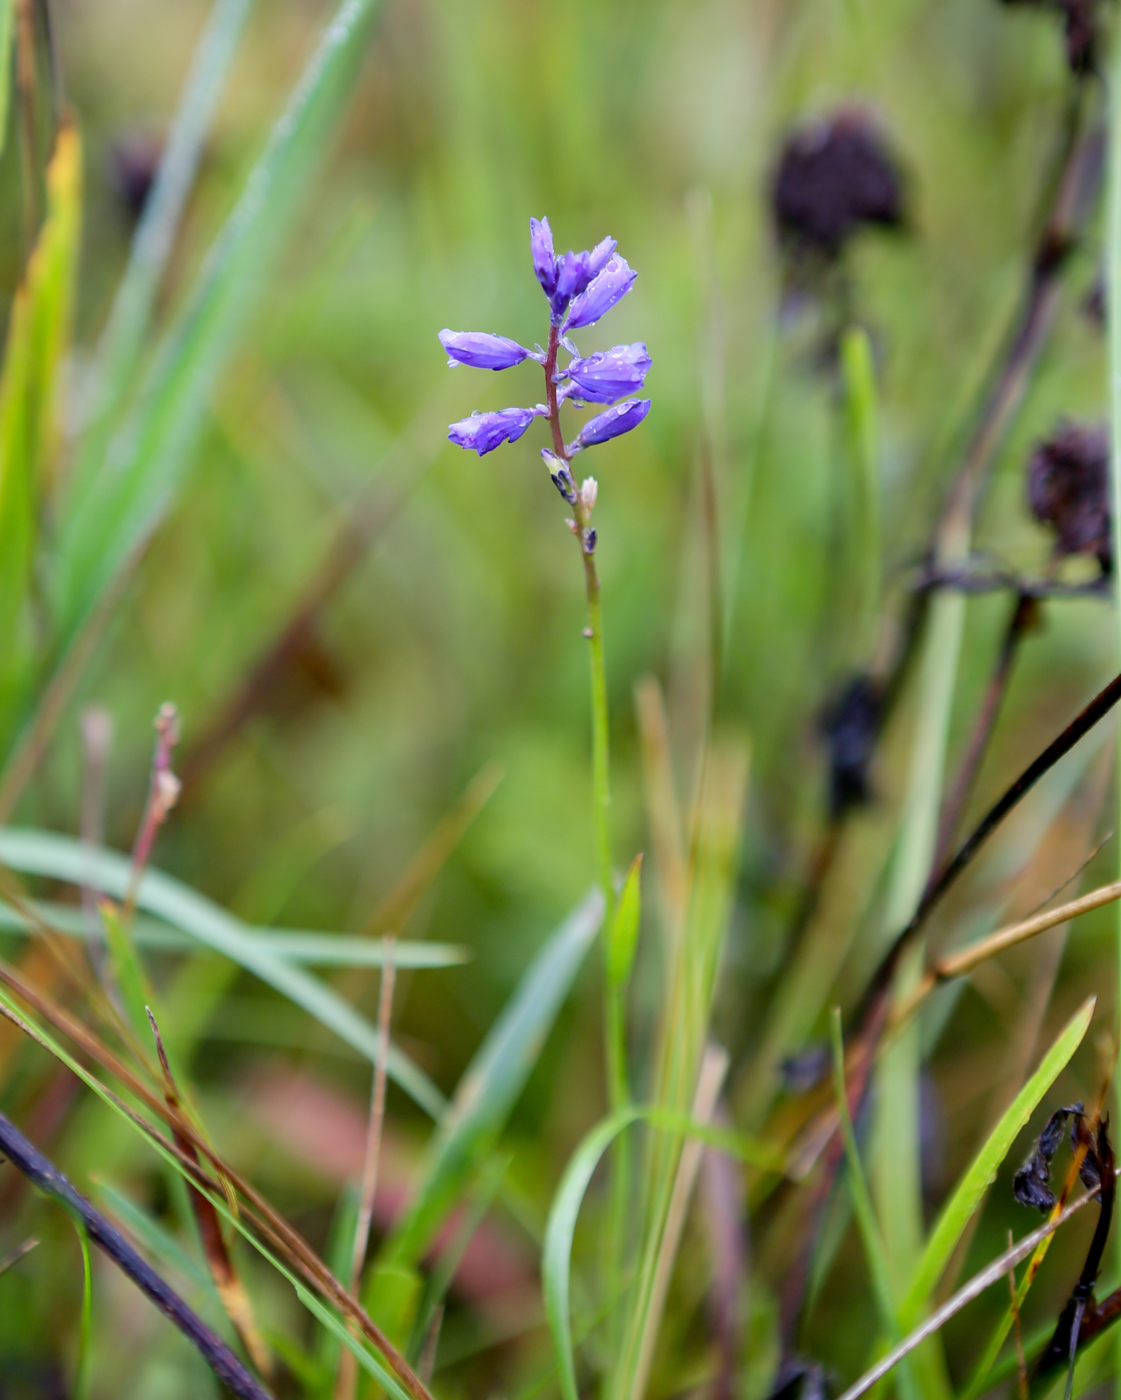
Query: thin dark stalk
pixel 965 580
pixel 46 1176
pixel 163 793
pixel 1024 616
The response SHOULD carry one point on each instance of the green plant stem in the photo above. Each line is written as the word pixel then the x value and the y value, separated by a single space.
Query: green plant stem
pixel 615 1044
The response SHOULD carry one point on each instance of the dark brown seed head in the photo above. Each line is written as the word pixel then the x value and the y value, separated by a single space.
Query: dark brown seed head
pixel 1068 489
pixel 133 163
pixel 851 724
pixel 834 177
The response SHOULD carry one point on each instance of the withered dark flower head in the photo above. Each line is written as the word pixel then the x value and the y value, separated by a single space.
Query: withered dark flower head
pixel 1068 489
pixel 134 161
pixel 851 724
pixel 834 177
pixel 1080 30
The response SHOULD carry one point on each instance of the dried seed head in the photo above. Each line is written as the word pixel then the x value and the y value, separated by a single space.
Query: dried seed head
pixel 851 724
pixel 1068 489
pixel 834 177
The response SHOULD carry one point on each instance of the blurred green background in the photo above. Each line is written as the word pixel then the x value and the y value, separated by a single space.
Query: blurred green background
pixel 454 642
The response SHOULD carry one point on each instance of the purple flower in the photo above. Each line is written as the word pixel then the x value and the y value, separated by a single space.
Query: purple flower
pixel 611 424
pixel 483 432
pixel 482 351
pixel 598 257
pixel 544 259
pixel 612 284
pixel 608 375
pixel 573 275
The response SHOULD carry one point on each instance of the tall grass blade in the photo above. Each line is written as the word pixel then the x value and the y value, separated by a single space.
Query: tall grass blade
pixel 38 338
pixel 6 8
pixel 82 1369
pixel 61 858
pixel 493 1081
pixel 152 243
pixel 981 1172
pixel 118 500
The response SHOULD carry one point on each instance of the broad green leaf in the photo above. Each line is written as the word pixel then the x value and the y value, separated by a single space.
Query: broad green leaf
pixel 38 336
pixel 316 949
pixel 982 1171
pixel 493 1081
pixel 119 498
pixel 622 940
pixel 62 858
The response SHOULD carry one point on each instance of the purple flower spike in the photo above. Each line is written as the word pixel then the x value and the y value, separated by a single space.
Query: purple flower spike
pixel 482 351
pixel 544 260
pixel 612 284
pixel 483 432
pixel 611 424
pixel 608 375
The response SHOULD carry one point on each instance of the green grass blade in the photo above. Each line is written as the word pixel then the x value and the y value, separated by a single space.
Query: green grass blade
pixel 37 341
pixel 858 1189
pixel 119 498
pixel 6 8
pixel 494 1079
pixel 125 331
pixel 306 946
pixel 622 940
pixel 61 858
pixel 981 1172
pixel 862 414
pixel 157 1241
pixel 556 1258
pixel 82 1367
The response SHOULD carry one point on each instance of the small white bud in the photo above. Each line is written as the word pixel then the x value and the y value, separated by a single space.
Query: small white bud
pixel 588 492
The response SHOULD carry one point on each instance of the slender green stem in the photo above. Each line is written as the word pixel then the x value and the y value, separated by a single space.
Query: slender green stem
pixel 615 1044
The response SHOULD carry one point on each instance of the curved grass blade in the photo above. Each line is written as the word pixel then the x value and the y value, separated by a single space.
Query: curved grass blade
pixel 306 946
pixel 61 858
pixel 120 498
pixel 982 1171
pixel 494 1080
pixel 556 1257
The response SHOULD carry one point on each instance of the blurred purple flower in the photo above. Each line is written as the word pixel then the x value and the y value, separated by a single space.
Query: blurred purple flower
pixel 612 284
pixel 482 351
pixel 611 424
pixel 608 375
pixel 544 259
pixel 483 432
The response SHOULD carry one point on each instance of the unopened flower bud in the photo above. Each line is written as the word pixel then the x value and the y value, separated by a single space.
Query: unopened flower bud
pixel 588 490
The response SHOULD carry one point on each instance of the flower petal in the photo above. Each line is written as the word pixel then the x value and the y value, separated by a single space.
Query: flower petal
pixel 482 351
